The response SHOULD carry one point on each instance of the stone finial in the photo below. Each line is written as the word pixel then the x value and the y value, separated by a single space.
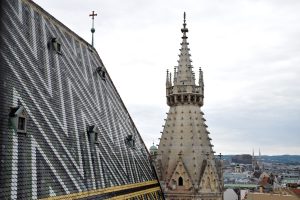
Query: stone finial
pixel 184 29
pixel 167 78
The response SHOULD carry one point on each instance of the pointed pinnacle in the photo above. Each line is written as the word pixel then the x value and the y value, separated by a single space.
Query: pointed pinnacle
pixel 184 29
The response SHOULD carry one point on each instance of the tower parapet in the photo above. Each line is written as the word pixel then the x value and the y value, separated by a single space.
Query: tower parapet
pixel 185 94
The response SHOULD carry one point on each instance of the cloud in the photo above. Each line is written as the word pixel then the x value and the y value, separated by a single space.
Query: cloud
pixel 249 52
pixel 149 120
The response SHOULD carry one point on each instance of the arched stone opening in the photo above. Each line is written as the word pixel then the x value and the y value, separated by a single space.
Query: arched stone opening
pixel 180 181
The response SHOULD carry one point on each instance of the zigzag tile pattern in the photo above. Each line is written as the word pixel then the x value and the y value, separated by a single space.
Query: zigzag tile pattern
pixel 63 94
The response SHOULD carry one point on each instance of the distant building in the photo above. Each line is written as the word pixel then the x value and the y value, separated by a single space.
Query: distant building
pixel 270 196
pixel 153 153
pixel 153 150
pixel 243 194
pixel 242 159
pixel 185 161
pixel 256 162
pixel 238 168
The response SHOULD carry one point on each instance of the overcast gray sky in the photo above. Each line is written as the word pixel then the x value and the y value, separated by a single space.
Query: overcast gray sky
pixel 249 51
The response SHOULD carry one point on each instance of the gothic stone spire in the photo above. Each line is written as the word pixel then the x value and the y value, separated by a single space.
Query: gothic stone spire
pixel 184 75
pixel 185 162
pixel 183 90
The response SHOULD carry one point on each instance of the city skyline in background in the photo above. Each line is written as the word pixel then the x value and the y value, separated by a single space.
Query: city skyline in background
pixel 248 51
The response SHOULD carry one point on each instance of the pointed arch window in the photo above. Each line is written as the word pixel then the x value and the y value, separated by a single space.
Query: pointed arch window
pixel 180 181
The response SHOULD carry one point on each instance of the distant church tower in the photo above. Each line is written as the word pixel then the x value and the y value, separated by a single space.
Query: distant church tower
pixel 185 162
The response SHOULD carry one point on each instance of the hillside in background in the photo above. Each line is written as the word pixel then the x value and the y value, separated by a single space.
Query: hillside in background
pixel 285 159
